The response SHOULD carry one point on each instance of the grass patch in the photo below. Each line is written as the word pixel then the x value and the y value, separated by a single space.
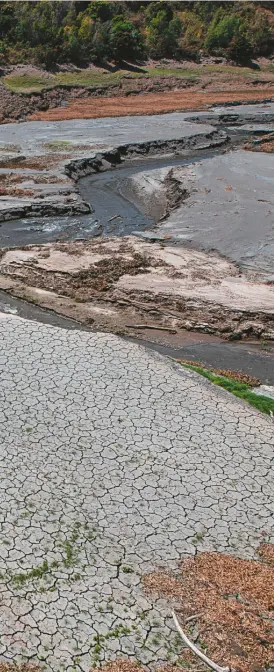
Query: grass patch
pixel 35 84
pixel 240 390
pixel 24 83
pixel 30 83
pixel 185 73
pixel 57 145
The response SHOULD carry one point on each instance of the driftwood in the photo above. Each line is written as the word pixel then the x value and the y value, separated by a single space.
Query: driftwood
pixel 151 326
pixel 114 217
pixel 202 656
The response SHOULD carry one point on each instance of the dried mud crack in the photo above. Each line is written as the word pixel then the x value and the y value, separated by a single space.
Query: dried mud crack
pixel 114 461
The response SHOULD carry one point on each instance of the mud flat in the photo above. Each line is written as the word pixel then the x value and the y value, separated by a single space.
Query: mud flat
pixel 126 285
pixel 40 163
pixel 224 203
pixel 206 266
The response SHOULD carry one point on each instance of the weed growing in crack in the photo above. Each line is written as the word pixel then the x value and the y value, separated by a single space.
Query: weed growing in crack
pixel 43 571
pixel 98 641
pixel 127 570
pixel 35 573
pixel 199 536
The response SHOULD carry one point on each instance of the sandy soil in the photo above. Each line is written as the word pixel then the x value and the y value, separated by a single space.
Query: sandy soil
pixel 126 285
pixel 152 103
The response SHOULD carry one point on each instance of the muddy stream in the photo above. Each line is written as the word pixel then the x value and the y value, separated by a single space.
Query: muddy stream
pixel 115 211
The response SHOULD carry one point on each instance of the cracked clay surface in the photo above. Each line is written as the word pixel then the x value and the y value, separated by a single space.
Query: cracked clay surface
pixel 114 461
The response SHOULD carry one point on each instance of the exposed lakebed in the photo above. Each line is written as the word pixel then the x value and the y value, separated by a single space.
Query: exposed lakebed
pixel 116 208
pixel 170 179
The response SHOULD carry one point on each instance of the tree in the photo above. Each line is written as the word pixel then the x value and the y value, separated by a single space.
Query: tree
pixel 239 49
pixel 220 33
pixel 104 11
pixel 261 35
pixel 7 19
pixel 154 8
pixel 125 41
pixel 193 31
pixel 162 32
pixel 228 37
pixel 100 47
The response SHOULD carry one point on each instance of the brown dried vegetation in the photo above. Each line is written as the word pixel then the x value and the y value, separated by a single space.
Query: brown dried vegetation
pixel 148 103
pixel 36 163
pixel 267 147
pixel 264 144
pixel 239 376
pixel 234 600
pixel 14 191
pixel 19 667
pixel 14 178
pixel 126 665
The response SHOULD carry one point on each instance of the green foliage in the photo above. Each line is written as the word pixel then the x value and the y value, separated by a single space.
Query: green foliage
pixel 239 49
pixel 104 11
pixel 125 40
pixel 241 390
pixel 228 37
pixel 193 31
pixel 154 8
pixel 163 30
pixel 261 35
pixel 49 32
pixel 221 32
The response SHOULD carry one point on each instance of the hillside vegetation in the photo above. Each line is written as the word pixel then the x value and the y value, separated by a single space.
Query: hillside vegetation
pixel 49 33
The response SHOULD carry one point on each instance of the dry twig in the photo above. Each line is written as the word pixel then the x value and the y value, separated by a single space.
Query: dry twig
pixel 197 652
pixel 151 326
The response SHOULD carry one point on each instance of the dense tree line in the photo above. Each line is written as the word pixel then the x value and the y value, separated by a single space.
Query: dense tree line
pixel 80 32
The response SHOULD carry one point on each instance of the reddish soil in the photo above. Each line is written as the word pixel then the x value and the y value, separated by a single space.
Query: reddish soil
pixel 152 103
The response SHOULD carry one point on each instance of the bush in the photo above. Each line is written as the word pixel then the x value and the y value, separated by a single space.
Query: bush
pixel 154 8
pixel 45 55
pixel 100 47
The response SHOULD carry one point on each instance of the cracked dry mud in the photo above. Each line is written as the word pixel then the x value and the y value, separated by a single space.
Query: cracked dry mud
pixel 114 462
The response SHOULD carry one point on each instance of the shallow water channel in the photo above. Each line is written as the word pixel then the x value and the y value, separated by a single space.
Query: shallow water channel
pixel 114 213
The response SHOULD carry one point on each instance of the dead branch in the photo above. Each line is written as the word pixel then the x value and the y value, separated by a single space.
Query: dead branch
pixel 151 326
pixel 195 616
pixel 114 217
pixel 197 652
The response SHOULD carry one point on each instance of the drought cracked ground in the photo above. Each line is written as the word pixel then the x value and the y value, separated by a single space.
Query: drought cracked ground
pixel 114 461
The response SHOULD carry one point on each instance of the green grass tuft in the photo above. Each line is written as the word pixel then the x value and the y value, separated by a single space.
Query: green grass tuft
pixel 240 390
